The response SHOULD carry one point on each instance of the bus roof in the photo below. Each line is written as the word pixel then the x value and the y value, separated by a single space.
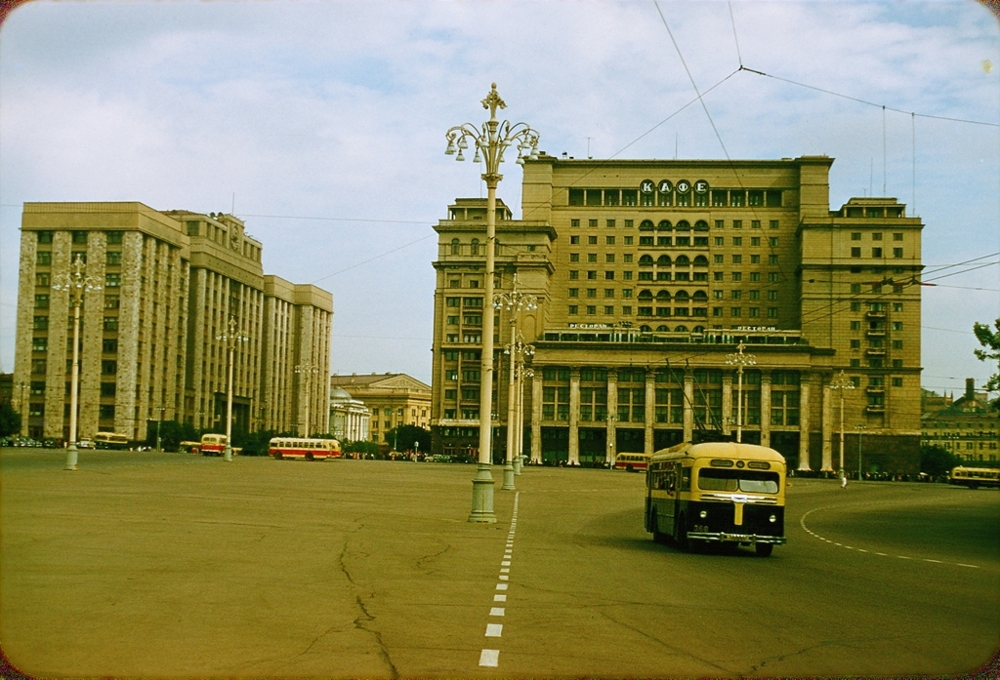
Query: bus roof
pixel 719 450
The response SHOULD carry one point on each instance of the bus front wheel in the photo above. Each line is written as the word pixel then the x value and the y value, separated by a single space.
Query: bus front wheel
pixel 763 549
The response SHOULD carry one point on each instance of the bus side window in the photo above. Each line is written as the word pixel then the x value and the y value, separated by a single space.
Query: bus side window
pixel 684 483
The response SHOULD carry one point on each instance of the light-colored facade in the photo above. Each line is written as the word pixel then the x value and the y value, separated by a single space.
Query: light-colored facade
pixel 393 399
pixel 350 419
pixel 966 427
pixel 152 341
pixel 649 273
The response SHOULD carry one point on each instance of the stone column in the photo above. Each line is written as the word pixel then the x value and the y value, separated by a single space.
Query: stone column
pixel 688 405
pixel 804 407
pixel 536 417
pixel 612 435
pixel 727 403
pixel 574 416
pixel 765 408
pixel 826 420
pixel 650 410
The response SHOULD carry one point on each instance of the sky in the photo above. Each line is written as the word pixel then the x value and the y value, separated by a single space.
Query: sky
pixel 321 124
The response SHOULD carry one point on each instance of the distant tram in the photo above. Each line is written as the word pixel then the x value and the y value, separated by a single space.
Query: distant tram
pixel 304 449
pixel 717 492
pixel 975 477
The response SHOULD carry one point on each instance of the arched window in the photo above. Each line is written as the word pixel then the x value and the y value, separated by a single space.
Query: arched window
pixel 682 261
pixel 683 225
pixel 700 296
pixel 701 225
pixel 646 225
pixel 456 247
pixel 646 261
pixel 474 247
pixel 663 296
pixel 662 329
pixel 698 329
pixel 645 295
pixel 663 261
pixel 645 329
pixel 681 329
pixel 681 296
pixel 664 226
pixel 701 261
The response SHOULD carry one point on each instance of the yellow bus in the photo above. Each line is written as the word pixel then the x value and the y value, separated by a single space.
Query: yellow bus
pixel 110 440
pixel 975 477
pixel 717 492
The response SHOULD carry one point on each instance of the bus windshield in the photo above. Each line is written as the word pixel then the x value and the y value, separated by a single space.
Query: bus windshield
pixel 749 481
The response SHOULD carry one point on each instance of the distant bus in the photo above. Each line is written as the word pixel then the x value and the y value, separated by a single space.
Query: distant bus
pixel 717 492
pixel 189 447
pixel 303 449
pixel 632 462
pixel 975 477
pixel 110 440
pixel 213 444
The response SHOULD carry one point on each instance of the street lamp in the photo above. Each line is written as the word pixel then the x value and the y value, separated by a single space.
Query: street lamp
pixel 841 383
pixel 522 374
pixel 77 283
pixel 231 337
pixel 491 140
pixel 307 370
pixel 159 428
pixel 514 302
pixel 739 359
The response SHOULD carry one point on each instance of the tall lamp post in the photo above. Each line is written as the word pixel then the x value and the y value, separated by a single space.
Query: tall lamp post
pixel 77 283
pixel 307 370
pixel 740 360
pixel 491 140
pixel 514 301
pixel 841 383
pixel 231 337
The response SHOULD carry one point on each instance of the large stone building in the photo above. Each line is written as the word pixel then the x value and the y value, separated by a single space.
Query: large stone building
pixel 154 326
pixel 393 399
pixel 967 426
pixel 649 273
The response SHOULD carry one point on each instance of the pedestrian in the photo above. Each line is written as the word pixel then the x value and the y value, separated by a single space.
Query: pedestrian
pixel 843 481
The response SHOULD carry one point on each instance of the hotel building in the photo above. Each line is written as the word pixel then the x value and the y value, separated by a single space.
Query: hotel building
pixel 154 325
pixel 648 275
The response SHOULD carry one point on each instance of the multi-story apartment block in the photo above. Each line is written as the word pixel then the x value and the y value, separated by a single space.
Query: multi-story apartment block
pixel 648 275
pixel 967 426
pixel 154 327
pixel 393 399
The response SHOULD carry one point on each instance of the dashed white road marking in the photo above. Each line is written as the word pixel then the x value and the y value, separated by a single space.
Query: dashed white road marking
pixel 490 658
pixel 802 523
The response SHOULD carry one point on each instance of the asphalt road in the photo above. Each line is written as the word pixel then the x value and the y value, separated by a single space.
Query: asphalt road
pixel 176 565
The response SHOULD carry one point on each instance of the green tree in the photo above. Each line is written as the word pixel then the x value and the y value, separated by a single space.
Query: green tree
pixel 936 461
pixel 10 420
pixel 990 340
pixel 360 446
pixel 402 438
pixel 171 435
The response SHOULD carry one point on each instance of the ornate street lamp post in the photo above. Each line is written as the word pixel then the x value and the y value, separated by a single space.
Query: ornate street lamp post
pixel 77 283
pixel 522 373
pixel 307 370
pixel 514 302
pixel 491 140
pixel 841 383
pixel 231 337
pixel 739 359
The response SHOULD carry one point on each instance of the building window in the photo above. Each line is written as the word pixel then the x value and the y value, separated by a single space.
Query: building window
pixel 43 258
pixel 41 302
pixel 772 312
pixel 574 309
pixel 574 257
pixel 112 280
pixel 109 367
pixel 855 252
pixel 574 240
pixel 79 237
pixel 113 257
pixel 897 252
pixel 876 252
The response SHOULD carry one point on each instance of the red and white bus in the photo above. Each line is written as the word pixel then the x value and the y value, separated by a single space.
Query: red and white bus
pixel 304 449
pixel 632 462
pixel 213 444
